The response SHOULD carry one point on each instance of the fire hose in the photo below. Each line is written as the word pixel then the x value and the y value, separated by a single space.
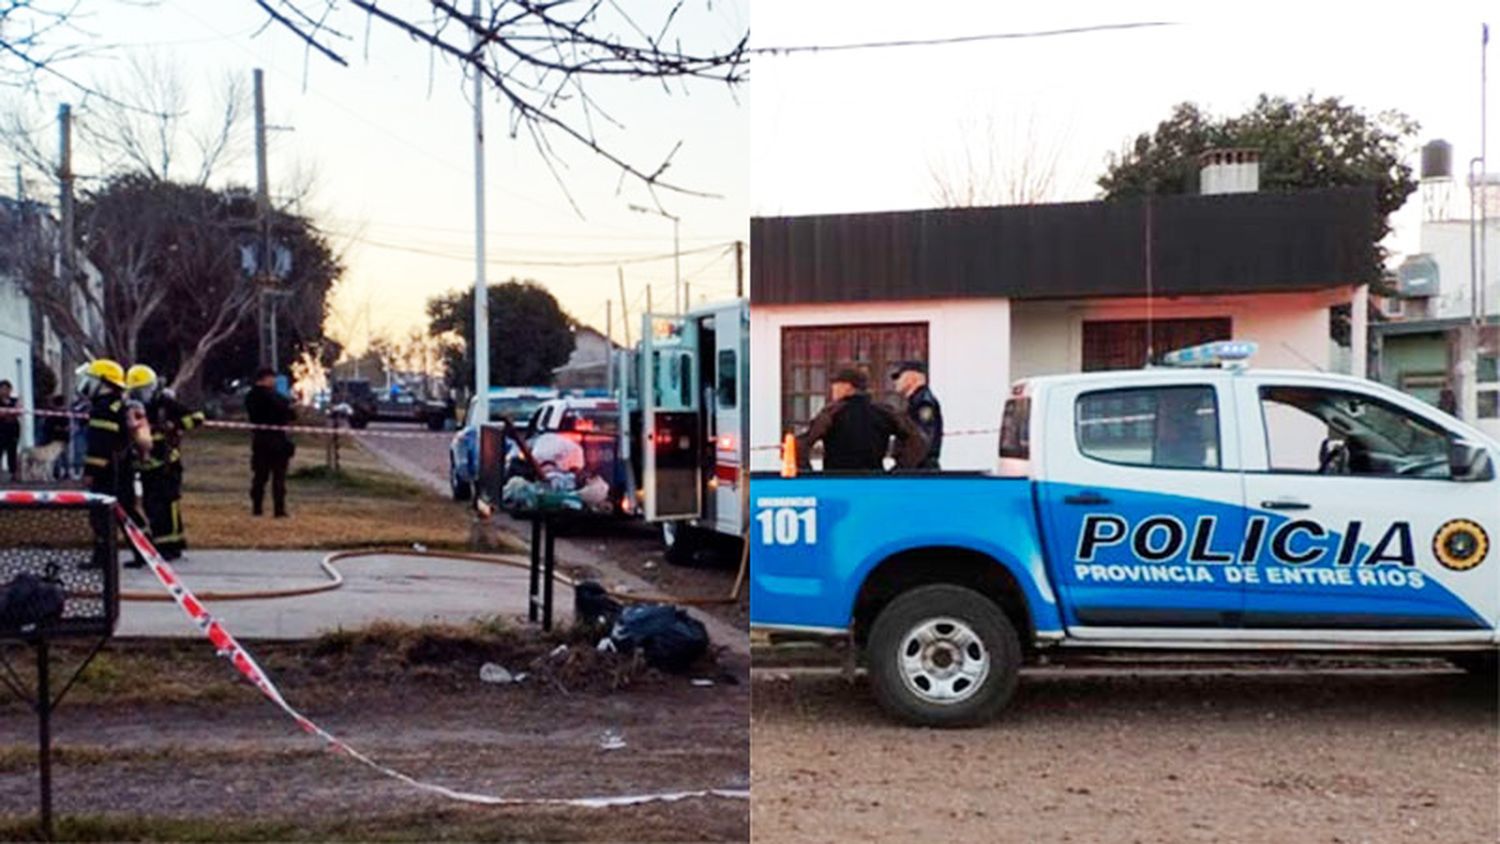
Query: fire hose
pixel 336 579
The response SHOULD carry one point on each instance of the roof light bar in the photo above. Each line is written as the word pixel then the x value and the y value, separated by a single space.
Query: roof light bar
pixel 1222 353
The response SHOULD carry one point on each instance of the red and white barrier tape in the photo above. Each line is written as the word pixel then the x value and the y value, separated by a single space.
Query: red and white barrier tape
pixel 325 430
pixel 971 432
pixel 230 648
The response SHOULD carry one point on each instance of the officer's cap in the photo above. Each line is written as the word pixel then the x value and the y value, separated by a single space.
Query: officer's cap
pixel 908 366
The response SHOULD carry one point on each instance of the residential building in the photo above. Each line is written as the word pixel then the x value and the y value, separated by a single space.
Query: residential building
pixel 987 296
pixel 588 365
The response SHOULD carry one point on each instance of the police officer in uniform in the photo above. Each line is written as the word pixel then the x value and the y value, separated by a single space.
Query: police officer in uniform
pixel 922 407
pixel 161 470
pixel 856 430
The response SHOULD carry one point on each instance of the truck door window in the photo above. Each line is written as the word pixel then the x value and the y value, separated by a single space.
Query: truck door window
pixel 1160 427
pixel 1333 432
pixel 1015 429
pixel 728 387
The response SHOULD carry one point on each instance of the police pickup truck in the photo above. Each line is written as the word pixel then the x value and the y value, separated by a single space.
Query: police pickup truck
pixel 1205 507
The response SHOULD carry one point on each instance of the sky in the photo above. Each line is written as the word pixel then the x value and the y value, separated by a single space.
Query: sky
pixel 389 138
pixel 389 141
pixel 862 130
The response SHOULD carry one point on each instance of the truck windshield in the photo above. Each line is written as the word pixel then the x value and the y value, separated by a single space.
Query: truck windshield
pixel 519 408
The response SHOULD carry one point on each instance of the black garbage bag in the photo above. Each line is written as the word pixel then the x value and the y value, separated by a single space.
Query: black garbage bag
pixel 670 639
pixel 593 606
pixel 29 602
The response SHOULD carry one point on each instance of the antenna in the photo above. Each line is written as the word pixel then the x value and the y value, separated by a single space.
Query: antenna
pixel 1150 293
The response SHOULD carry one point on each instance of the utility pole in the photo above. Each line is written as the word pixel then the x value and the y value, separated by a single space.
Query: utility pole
pixel 678 301
pixel 263 221
pixel 481 348
pixel 625 308
pixel 68 257
pixel 739 269
pixel 609 345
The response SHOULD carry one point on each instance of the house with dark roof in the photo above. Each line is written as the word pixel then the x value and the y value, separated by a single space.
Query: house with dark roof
pixel 988 296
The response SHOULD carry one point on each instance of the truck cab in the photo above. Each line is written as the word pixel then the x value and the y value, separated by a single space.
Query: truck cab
pixel 1212 507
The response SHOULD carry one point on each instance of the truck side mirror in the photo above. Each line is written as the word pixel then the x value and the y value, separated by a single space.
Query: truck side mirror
pixel 1469 462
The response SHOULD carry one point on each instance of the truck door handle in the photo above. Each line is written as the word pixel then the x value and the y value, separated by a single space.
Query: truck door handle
pixel 1286 504
pixel 1085 498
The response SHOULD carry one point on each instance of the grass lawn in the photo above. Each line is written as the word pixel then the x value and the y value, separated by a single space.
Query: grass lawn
pixel 363 505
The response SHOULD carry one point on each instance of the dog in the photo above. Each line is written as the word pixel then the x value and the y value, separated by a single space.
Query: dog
pixel 37 462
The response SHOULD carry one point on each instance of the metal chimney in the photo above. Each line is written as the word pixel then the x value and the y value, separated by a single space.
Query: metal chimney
pixel 1229 171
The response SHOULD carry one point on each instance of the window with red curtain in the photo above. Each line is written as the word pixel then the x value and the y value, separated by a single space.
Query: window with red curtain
pixel 812 355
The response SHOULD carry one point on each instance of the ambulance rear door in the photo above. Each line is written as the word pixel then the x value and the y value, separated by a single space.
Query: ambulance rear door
pixel 672 434
pixel 729 413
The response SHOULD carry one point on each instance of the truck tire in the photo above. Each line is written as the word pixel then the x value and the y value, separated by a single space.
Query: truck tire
pixel 943 656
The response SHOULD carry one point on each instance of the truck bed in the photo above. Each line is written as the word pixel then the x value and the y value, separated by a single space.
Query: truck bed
pixel 806 571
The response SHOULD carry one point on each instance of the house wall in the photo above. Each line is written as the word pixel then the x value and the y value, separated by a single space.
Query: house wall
pixel 978 347
pixel 15 350
pixel 969 342
pixel 1291 328
pixel 1447 241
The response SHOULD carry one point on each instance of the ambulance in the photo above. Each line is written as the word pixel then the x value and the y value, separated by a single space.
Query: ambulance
pixel 687 384
pixel 1204 505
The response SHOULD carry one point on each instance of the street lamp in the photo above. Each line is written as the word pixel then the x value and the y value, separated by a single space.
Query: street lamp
pixel 676 254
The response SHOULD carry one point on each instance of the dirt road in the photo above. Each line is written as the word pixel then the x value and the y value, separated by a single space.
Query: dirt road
pixel 162 741
pixel 1088 755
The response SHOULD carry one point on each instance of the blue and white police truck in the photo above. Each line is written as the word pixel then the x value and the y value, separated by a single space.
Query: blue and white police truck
pixel 1202 506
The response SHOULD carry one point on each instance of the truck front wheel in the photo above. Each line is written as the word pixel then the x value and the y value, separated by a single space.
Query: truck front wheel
pixel 943 656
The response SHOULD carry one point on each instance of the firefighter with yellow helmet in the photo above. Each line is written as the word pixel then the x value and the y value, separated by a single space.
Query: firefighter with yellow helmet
pixel 108 465
pixel 161 468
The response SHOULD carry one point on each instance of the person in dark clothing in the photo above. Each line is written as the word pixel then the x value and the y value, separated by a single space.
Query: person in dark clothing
pixel 161 470
pixel 270 450
pixel 922 408
pixel 55 424
pixel 10 430
pixel 856 431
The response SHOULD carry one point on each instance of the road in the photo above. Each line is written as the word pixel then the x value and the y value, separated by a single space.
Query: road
pixel 626 556
pixel 1137 755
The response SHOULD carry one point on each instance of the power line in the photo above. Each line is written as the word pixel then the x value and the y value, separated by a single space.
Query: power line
pixel 552 235
pixel 600 262
pixel 956 39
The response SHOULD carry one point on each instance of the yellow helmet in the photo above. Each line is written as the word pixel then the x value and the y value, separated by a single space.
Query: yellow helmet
pixel 107 370
pixel 139 376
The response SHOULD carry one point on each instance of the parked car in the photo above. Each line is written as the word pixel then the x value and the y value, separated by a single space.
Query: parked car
pixel 359 396
pixel 519 404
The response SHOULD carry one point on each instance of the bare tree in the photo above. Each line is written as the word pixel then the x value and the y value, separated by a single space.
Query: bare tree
pixel 1009 163
pixel 540 56
pixel 36 35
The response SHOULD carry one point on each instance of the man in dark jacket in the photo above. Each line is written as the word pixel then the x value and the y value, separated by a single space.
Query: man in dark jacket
pixel 270 450
pixel 922 407
pixel 856 431
pixel 10 430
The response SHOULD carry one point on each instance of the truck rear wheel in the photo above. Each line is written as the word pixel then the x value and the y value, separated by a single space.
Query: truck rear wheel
pixel 943 656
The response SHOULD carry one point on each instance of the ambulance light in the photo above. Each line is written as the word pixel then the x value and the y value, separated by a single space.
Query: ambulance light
pixel 1221 353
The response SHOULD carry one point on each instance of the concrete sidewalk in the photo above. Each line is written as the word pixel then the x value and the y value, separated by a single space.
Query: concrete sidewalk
pixel 411 590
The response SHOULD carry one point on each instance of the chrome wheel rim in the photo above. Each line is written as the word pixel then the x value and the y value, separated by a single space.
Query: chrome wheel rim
pixel 943 661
